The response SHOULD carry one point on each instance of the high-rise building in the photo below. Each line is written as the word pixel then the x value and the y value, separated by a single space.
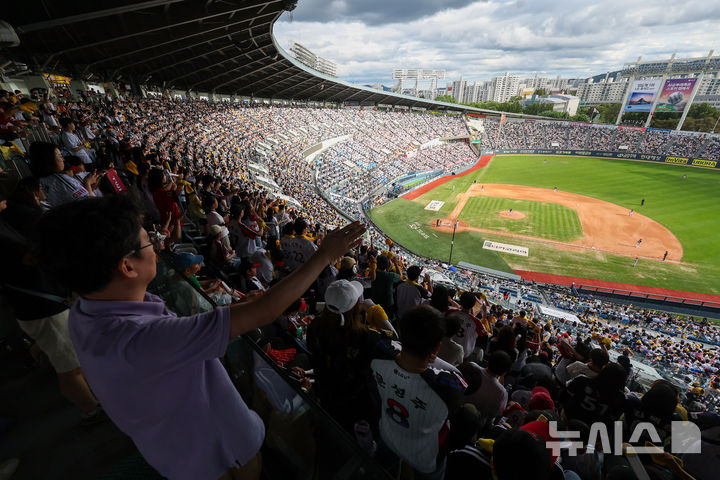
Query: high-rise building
pixel 473 93
pixel 457 90
pixel 305 56
pixel 505 87
pixel 605 91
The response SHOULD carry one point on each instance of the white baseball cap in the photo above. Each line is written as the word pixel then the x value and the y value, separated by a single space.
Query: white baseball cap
pixel 341 296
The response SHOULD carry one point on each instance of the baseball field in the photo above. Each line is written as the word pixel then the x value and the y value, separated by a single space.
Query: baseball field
pixel 575 216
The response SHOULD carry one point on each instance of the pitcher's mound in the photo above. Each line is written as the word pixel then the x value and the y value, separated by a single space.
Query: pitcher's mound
pixel 514 216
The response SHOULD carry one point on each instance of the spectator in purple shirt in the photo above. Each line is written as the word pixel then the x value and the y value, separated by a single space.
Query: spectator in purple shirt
pixel 158 376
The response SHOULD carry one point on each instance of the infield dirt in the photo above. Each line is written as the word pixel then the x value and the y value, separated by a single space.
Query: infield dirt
pixel 606 227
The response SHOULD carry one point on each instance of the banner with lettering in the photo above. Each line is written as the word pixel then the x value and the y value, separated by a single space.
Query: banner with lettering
pixel 642 95
pixel 675 95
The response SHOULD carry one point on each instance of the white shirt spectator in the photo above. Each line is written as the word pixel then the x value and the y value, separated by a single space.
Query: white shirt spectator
pixel 70 142
pixel 491 398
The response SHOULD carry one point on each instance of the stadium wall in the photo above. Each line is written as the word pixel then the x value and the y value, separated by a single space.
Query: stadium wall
pixel 694 162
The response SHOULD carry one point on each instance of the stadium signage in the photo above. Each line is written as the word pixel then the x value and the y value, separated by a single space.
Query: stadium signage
pixel 698 162
pixel 642 95
pixel 654 158
pixel 675 95
pixel 704 163
pixel 505 248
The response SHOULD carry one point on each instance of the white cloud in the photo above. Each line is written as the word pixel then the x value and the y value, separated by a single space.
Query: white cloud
pixel 574 38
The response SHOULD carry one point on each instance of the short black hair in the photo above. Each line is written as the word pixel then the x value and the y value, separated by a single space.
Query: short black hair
pixel 473 376
pixel 452 323
pixel 288 229
pixel 413 272
pixel 467 300
pixel 156 179
pixel 81 242
pixel 383 262
pixel 299 226
pixel 599 357
pixel 661 399
pixel 42 158
pixel 499 362
pixel 207 202
pixel 421 330
pixel 582 351
pixel 611 379
pixel 535 462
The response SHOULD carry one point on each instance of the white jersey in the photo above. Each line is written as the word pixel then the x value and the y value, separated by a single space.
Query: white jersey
pixel 413 421
pixel 467 334
pixel 297 251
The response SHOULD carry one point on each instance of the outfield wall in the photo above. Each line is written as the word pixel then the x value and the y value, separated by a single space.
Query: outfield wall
pixel 695 162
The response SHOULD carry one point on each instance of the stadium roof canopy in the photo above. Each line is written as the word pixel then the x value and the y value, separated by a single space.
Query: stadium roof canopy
pixel 220 46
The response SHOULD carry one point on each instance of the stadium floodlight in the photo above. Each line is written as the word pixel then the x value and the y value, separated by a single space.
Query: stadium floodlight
pixel 418 74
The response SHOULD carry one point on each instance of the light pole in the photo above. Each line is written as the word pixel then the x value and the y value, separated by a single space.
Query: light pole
pixel 452 242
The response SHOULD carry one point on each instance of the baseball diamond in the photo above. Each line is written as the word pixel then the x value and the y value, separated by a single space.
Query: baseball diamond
pixel 588 228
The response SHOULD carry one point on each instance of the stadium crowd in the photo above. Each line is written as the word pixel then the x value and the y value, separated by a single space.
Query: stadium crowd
pixel 152 211
pixel 541 134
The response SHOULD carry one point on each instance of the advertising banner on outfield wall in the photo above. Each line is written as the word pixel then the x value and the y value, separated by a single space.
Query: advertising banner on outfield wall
pixel 642 95
pixel 696 162
pixel 675 95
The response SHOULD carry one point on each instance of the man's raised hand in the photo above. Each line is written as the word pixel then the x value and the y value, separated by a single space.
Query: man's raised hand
pixel 339 241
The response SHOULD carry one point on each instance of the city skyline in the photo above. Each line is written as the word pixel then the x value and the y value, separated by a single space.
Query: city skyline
pixel 482 40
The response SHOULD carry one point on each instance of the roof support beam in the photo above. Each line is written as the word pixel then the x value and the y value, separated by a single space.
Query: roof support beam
pixel 149 59
pixel 235 70
pixel 133 52
pixel 286 79
pixel 382 99
pixel 340 94
pixel 265 78
pixel 297 95
pixel 59 22
pixel 158 29
pixel 185 60
pixel 281 92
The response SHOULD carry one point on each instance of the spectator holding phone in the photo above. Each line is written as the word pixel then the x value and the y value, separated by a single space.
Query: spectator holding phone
pixel 158 376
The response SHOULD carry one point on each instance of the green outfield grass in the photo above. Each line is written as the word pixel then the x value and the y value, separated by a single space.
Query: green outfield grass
pixel 408 223
pixel 690 208
pixel 544 220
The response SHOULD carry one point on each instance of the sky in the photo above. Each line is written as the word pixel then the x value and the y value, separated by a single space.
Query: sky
pixel 483 39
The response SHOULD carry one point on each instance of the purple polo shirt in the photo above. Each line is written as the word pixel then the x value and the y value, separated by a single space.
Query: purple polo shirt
pixel 159 379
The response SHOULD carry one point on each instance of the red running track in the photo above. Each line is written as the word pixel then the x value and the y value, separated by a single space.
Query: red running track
pixel 484 160
pixel 655 291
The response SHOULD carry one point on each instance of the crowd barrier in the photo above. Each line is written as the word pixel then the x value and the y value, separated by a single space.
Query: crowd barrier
pixel 695 162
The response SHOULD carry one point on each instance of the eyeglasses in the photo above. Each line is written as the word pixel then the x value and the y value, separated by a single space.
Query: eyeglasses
pixel 137 250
